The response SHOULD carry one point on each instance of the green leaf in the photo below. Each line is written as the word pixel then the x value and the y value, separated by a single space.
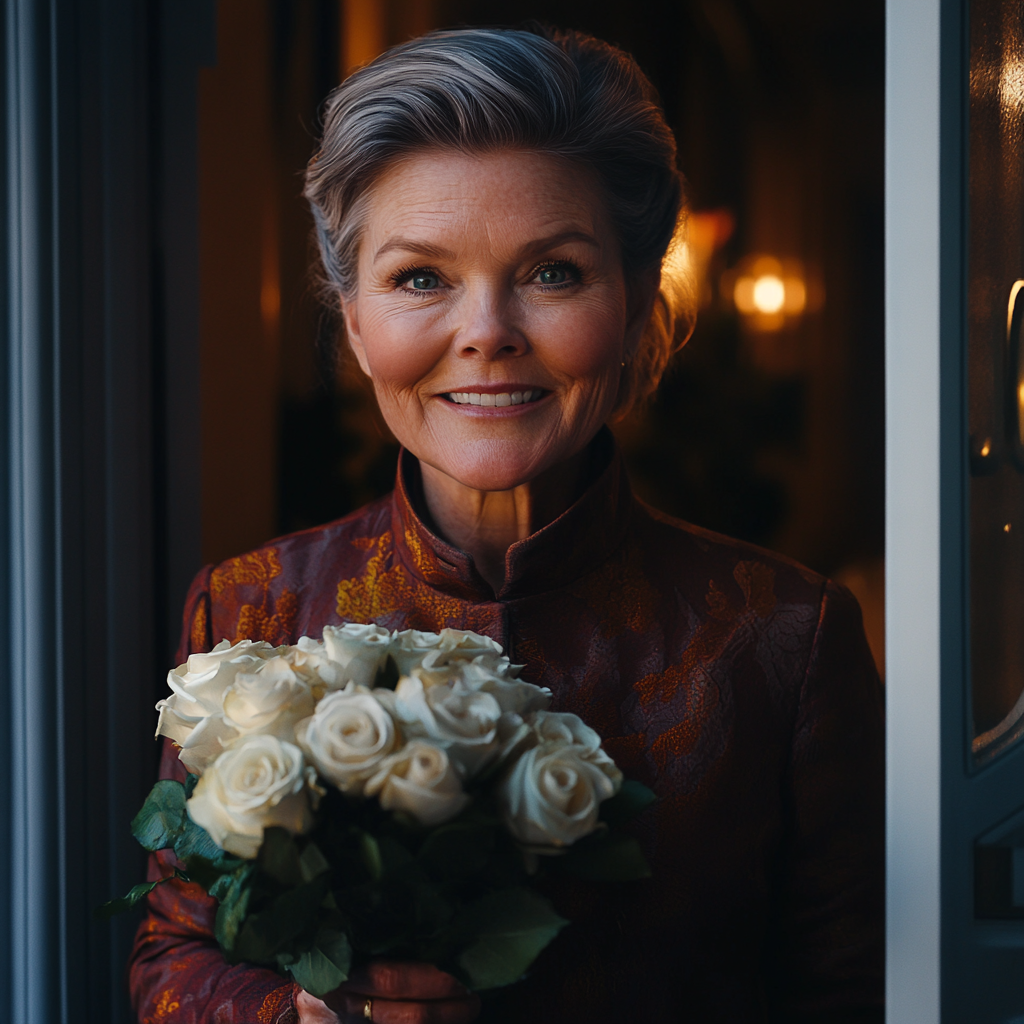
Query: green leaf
pixel 233 905
pixel 135 896
pixel 162 816
pixel 609 857
pixel 630 800
pixel 369 850
pixel 190 784
pixel 221 886
pixel 195 841
pixel 266 933
pixel 312 862
pixel 324 967
pixel 279 856
pixel 214 876
pixel 509 928
pixel 387 675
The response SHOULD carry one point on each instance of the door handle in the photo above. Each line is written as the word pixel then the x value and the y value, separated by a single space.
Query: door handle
pixel 1015 373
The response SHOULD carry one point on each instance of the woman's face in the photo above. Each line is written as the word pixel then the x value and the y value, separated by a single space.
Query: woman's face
pixel 491 311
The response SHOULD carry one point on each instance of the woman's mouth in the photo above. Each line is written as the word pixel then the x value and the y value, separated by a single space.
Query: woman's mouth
pixel 499 401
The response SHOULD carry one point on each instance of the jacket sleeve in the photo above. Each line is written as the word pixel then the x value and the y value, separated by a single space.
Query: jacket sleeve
pixel 830 957
pixel 177 972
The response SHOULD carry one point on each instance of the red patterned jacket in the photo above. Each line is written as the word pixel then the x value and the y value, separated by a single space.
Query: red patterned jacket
pixel 734 682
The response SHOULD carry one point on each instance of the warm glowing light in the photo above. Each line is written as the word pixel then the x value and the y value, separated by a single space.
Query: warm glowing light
pixel 1006 528
pixel 986 448
pixel 796 296
pixel 769 294
pixel 1020 394
pixel 743 296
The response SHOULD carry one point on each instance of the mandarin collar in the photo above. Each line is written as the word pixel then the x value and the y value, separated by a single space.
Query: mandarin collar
pixel 582 537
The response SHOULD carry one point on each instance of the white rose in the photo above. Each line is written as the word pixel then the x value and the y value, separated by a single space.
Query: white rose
pixel 200 684
pixel 420 780
pixel 412 648
pixel 270 700
pixel 551 794
pixel 513 695
pixel 310 662
pixel 347 737
pixel 258 782
pixel 358 650
pixel 452 715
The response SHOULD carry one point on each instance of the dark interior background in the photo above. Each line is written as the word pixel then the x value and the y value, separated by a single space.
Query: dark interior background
pixel 772 435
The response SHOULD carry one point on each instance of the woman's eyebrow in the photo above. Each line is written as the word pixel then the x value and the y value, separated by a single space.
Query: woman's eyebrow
pixel 413 246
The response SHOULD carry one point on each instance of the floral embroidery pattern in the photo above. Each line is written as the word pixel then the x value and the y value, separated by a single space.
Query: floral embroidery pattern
pixel 382 589
pixel 276 1001
pixel 165 1006
pixel 269 619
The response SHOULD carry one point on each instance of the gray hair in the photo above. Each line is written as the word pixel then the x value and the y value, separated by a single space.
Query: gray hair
pixel 479 90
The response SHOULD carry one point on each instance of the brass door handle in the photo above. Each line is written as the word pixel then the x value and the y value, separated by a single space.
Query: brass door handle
pixel 1015 373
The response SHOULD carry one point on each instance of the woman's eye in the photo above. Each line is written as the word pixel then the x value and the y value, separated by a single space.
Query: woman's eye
pixel 554 275
pixel 424 282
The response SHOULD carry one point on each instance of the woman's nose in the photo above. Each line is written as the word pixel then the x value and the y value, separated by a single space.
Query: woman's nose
pixel 487 328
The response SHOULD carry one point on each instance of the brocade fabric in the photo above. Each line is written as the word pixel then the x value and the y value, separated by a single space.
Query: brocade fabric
pixel 736 683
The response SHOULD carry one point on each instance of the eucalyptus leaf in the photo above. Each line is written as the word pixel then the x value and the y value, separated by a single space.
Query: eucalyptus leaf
pixel 195 841
pixel 221 886
pixel 233 905
pixel 630 800
pixel 509 930
pixel 162 816
pixel 190 784
pixel 123 903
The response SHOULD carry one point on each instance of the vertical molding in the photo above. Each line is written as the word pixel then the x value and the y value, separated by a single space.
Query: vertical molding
pixel 98 449
pixel 913 543
pixel 31 611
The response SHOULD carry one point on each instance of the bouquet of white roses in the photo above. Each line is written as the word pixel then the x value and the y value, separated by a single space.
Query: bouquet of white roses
pixel 381 794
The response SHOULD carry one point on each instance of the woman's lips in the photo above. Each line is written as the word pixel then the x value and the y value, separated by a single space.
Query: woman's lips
pixel 500 400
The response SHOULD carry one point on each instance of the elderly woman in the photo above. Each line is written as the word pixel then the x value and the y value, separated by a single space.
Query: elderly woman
pixel 495 210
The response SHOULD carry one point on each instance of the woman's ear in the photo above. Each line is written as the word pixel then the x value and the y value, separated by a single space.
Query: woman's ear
pixel 350 314
pixel 641 296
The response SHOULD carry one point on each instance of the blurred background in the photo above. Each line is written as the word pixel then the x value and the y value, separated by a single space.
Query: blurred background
pixel 769 425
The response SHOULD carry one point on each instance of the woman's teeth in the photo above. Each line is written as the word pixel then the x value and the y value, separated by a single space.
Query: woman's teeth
pixel 498 401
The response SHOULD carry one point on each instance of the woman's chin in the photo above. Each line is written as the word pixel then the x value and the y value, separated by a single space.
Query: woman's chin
pixel 489 479
pixel 492 467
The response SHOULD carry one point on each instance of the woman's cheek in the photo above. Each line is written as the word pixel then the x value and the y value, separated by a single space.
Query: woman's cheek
pixel 400 350
pixel 587 344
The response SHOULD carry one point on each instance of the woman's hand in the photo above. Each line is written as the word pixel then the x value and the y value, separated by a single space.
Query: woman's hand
pixel 399 993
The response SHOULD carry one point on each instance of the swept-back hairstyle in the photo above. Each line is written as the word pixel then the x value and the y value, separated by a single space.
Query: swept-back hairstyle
pixel 480 90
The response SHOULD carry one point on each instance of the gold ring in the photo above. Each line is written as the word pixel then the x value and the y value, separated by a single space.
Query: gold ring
pixel 368 1009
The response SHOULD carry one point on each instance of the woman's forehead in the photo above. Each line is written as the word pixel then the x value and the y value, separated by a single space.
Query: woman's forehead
pixel 436 198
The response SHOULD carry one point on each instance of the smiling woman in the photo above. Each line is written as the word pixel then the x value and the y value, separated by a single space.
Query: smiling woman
pixel 496 211
pixel 498 361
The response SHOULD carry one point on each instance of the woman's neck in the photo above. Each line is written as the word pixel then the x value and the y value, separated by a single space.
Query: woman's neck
pixel 485 524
